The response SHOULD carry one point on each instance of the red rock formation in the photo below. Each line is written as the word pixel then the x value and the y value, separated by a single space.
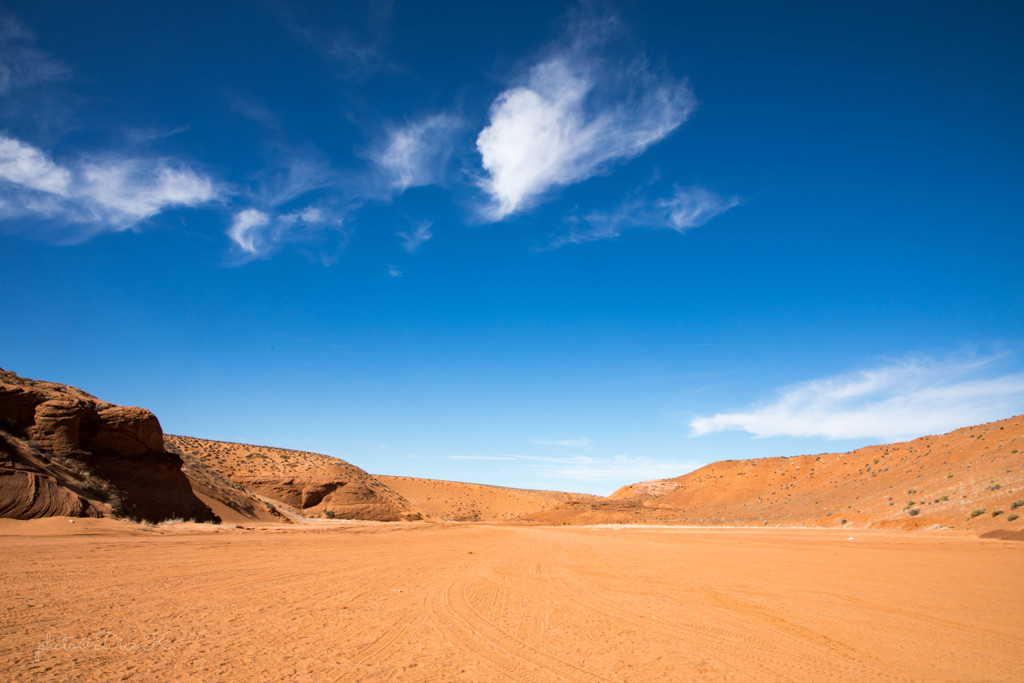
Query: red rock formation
pixel 64 452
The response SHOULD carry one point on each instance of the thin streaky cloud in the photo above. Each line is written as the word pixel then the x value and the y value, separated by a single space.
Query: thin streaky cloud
pixel 621 468
pixel 900 399
pixel 573 114
pixel 686 208
pixel 22 64
pixel 359 53
pixel 582 444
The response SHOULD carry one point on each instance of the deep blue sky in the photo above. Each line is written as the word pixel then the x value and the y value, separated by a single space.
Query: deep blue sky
pixel 562 246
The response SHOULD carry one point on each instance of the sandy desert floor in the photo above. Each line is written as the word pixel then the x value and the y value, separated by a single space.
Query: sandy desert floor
pixel 105 600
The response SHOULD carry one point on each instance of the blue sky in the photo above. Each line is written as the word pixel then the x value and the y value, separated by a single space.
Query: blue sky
pixel 561 246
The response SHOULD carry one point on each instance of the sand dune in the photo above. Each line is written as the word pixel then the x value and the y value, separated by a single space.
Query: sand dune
pixel 385 602
pixel 968 479
pixel 458 501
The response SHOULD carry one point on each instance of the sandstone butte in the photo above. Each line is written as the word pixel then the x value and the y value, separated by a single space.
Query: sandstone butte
pixel 64 452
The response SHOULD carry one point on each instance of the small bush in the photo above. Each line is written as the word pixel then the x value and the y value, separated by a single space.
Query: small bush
pixel 1012 518
pixel 944 499
pixel 913 512
pixel 329 513
pixel 1017 504
pixel 844 521
pixel 979 511
pixel 996 513
pixel 995 487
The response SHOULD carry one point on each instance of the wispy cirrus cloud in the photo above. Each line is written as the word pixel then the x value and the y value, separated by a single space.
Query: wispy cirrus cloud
pixel 582 444
pixel 258 234
pixel 572 114
pixel 620 469
pixel 108 193
pixel 358 46
pixel 900 399
pixel 412 239
pixel 297 198
pixel 22 64
pixel 687 207
pixel 415 154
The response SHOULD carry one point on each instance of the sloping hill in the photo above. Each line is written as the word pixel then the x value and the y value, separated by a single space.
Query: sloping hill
pixel 968 479
pixel 311 484
pixel 458 501
pixel 65 452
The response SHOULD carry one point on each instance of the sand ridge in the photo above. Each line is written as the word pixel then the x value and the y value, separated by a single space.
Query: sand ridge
pixel 970 479
pixel 465 502
pixel 287 484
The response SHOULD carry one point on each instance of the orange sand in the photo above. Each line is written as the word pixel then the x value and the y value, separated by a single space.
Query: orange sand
pixel 373 601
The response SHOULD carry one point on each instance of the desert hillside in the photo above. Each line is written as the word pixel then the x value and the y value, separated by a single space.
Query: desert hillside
pixel 65 452
pixel 461 502
pixel 289 482
pixel 971 479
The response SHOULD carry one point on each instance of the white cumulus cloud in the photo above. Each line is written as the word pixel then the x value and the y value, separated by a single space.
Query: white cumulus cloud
pixel 571 115
pixel 901 399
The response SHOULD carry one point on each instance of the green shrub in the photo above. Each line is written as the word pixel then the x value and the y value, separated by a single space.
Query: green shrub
pixel 1017 504
pixel 1012 518
pixel 913 512
pixel 996 513
pixel 979 511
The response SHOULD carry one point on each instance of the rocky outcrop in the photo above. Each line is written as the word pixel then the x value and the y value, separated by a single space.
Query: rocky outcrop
pixel 308 484
pixel 65 452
